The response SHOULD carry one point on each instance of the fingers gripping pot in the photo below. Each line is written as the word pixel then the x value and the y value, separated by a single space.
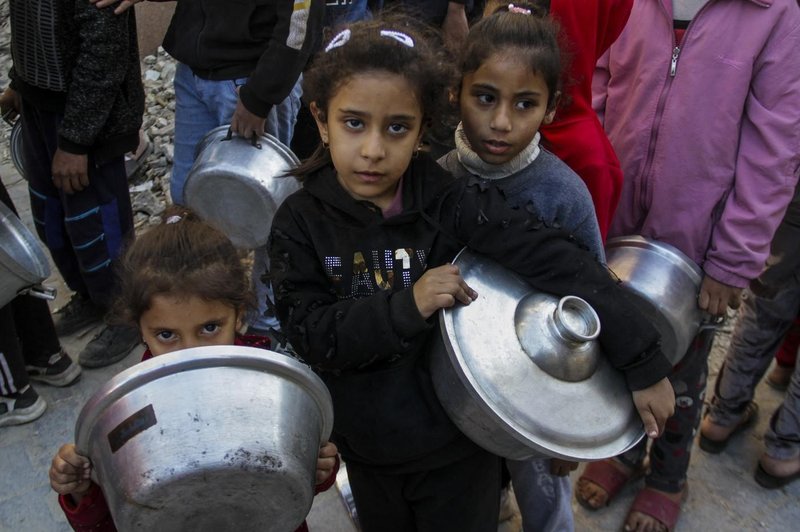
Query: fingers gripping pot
pixel 208 438
pixel 520 372
pixel 23 264
pixel 237 184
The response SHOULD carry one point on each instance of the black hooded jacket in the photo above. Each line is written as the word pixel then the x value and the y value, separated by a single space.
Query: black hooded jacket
pixel 343 278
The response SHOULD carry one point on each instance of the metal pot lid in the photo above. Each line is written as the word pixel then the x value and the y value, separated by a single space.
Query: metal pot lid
pixel 201 358
pixel 20 251
pixel 585 417
pixel 238 184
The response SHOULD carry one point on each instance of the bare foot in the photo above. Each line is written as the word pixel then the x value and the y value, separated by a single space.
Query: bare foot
pixel 640 522
pixel 593 496
pixel 780 468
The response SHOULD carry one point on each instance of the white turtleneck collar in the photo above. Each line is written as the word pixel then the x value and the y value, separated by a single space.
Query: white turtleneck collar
pixel 477 166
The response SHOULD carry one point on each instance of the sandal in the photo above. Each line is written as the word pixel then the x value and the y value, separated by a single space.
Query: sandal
pixel 770 481
pixel 717 446
pixel 654 504
pixel 608 478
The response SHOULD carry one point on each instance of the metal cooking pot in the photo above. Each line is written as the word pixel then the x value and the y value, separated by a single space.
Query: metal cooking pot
pixel 236 184
pixel 23 264
pixel 208 438
pixel 665 284
pixel 520 372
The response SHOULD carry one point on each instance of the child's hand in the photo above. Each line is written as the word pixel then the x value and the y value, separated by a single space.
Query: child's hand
pixel 715 297
pixel 440 288
pixel 326 461
pixel 562 468
pixel 69 472
pixel 655 405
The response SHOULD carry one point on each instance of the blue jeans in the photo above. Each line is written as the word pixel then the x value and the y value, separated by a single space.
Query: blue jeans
pixel 202 105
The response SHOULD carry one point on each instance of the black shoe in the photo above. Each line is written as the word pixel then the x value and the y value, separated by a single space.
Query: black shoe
pixel 77 314
pixel 21 407
pixel 58 370
pixel 110 345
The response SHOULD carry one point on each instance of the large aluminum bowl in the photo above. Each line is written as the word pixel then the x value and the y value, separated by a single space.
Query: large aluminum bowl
pixel 237 184
pixel 209 438
pixel 23 263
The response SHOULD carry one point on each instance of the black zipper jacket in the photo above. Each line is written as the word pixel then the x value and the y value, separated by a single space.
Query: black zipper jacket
pixel 267 41
pixel 343 274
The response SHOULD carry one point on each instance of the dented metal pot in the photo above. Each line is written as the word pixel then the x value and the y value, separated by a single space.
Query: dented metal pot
pixel 238 184
pixel 209 438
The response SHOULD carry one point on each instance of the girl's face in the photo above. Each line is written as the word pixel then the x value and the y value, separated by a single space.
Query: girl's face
pixel 503 103
pixel 179 322
pixel 373 125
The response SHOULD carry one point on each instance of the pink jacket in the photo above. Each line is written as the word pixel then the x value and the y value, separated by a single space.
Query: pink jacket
pixel 708 134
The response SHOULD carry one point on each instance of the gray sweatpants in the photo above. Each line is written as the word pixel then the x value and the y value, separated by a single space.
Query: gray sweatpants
pixel 759 331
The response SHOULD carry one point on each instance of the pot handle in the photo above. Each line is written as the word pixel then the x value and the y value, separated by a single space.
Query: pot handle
pixel 712 322
pixel 40 292
pixel 253 140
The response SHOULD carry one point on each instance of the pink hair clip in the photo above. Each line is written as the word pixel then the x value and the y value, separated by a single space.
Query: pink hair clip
pixel 521 10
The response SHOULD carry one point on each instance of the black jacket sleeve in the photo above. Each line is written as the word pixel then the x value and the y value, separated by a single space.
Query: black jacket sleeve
pixel 296 32
pixel 329 333
pixel 100 69
pixel 476 214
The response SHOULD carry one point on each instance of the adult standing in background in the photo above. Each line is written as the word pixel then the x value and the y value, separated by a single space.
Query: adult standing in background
pixel 701 101
pixel 76 71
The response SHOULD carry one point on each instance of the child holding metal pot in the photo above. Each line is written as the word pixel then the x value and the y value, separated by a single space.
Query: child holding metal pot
pixel 183 284
pixel 512 69
pixel 361 265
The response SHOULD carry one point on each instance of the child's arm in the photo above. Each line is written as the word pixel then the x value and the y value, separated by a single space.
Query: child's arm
pixel 655 405
pixel 82 501
pixel 327 332
pixel 440 288
pixel 70 473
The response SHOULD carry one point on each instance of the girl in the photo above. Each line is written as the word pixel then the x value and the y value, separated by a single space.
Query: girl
pixel 511 66
pixel 360 266
pixel 184 285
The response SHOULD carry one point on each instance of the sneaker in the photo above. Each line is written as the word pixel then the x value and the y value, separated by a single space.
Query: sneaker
pixel 77 314
pixel 110 345
pixel 58 370
pixel 21 407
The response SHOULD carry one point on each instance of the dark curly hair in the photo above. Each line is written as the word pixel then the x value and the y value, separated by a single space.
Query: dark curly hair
pixel 187 257
pixel 426 66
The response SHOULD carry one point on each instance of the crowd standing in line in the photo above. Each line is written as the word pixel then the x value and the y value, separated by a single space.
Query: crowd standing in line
pixel 359 256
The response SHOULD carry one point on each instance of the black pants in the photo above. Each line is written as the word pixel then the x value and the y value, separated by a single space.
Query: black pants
pixel 27 334
pixel 84 231
pixel 463 496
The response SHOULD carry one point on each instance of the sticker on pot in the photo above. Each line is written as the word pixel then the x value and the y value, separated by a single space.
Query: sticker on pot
pixel 133 425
